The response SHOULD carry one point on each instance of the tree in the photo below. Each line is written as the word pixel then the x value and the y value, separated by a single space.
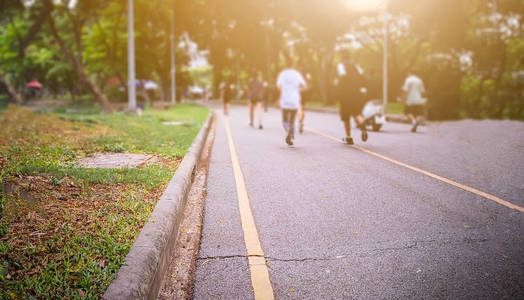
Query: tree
pixel 10 11
pixel 76 19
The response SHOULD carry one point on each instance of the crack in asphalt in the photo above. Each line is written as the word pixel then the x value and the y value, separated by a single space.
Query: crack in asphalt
pixel 412 245
pixel 224 257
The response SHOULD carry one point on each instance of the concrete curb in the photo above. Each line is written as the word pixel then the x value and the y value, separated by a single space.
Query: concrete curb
pixel 141 275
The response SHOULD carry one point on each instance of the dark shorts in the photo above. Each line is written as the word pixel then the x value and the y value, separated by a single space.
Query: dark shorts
pixel 414 109
pixel 227 99
pixel 350 109
pixel 255 100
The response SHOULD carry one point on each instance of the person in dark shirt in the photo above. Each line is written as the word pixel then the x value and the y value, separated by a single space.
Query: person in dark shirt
pixel 255 95
pixel 226 93
pixel 351 98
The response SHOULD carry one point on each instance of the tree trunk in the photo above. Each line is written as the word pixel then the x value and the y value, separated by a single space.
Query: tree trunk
pixel 100 97
pixel 11 90
pixel 35 28
pixel 78 66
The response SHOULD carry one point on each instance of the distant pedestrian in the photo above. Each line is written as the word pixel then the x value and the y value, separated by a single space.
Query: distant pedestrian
pixel 290 83
pixel 255 94
pixel 351 98
pixel 226 93
pixel 306 95
pixel 413 96
pixel 266 95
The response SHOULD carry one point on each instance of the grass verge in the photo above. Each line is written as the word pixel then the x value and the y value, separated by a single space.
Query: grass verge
pixel 65 230
pixel 395 108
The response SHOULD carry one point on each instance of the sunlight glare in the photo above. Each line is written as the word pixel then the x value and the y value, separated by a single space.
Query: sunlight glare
pixel 364 5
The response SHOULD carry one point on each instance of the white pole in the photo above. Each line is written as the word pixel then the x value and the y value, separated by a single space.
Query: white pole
pixel 173 72
pixel 131 57
pixel 385 61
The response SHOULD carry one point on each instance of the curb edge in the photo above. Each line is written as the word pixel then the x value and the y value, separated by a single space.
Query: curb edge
pixel 141 274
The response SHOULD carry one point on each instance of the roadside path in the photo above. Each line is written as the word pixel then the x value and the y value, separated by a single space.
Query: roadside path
pixel 335 222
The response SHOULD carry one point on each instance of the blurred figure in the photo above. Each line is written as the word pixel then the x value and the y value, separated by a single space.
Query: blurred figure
pixel 413 97
pixel 350 97
pixel 255 95
pixel 290 83
pixel 226 94
pixel 185 95
pixel 305 97
pixel 266 94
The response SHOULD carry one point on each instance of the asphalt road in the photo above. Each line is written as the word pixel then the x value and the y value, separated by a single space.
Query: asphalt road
pixel 337 223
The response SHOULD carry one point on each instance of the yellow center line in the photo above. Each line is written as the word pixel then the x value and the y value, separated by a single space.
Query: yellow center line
pixel 257 263
pixel 435 176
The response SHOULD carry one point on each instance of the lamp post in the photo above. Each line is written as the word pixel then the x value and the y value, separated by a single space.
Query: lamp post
pixel 385 58
pixel 131 57
pixel 173 72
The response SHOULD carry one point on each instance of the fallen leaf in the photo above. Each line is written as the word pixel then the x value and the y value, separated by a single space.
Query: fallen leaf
pixel 80 292
pixel 204 262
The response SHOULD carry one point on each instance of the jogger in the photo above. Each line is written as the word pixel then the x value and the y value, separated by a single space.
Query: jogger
pixel 256 97
pixel 351 99
pixel 302 110
pixel 288 120
pixel 414 98
pixel 290 83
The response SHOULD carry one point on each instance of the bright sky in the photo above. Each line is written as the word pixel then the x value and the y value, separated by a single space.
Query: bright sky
pixel 363 5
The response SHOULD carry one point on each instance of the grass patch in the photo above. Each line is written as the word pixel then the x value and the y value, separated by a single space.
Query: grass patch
pixel 4 101
pixel 70 237
pixel 395 108
pixel 392 108
pixel 321 104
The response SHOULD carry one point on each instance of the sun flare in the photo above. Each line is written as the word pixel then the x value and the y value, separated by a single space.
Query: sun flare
pixel 363 5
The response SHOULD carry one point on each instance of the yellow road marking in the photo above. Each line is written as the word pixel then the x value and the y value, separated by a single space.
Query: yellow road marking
pixel 435 176
pixel 257 263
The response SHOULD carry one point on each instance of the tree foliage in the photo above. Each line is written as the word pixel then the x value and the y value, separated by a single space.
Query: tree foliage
pixel 469 52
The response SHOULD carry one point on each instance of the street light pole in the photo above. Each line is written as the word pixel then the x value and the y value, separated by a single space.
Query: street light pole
pixel 131 57
pixel 173 72
pixel 385 60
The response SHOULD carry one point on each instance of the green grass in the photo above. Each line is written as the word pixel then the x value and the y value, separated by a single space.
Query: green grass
pixel 395 108
pixel 90 216
pixel 78 108
pixel 147 133
pixel 392 108
pixel 4 101
pixel 321 104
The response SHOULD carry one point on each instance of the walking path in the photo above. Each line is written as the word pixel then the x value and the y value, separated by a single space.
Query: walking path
pixel 336 222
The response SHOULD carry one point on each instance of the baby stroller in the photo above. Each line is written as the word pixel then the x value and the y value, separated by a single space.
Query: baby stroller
pixel 373 114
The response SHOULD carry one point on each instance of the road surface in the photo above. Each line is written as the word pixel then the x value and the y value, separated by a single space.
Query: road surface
pixel 335 222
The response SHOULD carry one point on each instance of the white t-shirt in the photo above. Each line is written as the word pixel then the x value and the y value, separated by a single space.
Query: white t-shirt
pixel 290 81
pixel 415 88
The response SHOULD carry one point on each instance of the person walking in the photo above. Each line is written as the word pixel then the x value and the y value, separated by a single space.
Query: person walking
pixel 255 94
pixel 303 99
pixel 226 96
pixel 413 96
pixel 266 95
pixel 351 98
pixel 290 83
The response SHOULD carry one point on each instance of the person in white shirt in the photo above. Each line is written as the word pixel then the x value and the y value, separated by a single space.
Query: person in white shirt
pixel 413 96
pixel 290 83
